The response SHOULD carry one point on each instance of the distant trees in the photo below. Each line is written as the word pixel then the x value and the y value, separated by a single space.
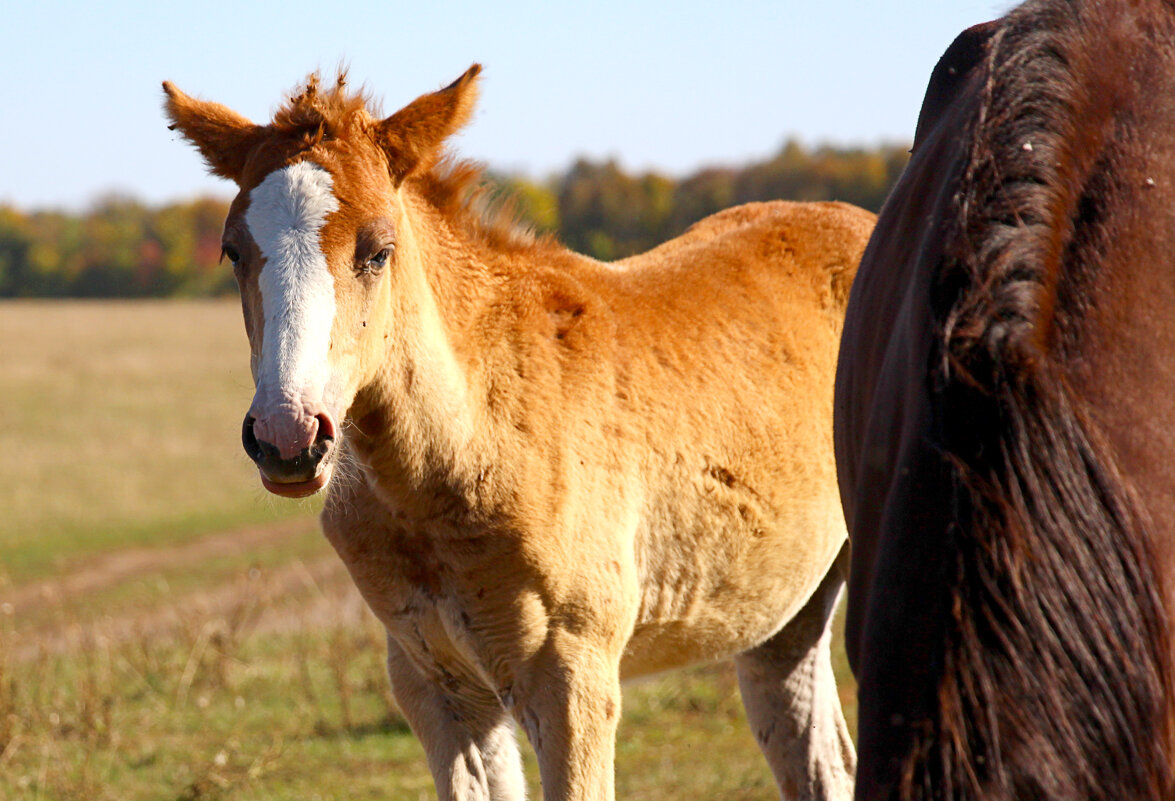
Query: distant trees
pixel 121 248
pixel 610 214
pixel 118 248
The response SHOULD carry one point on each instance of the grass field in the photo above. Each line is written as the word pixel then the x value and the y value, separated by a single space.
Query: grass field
pixel 169 632
pixel 121 424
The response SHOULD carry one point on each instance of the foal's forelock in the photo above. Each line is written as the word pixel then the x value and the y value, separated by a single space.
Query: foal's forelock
pixel 286 215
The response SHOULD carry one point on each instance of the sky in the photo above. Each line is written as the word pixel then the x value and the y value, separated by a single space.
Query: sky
pixel 670 86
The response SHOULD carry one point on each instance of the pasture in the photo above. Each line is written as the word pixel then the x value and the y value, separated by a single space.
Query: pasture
pixel 168 632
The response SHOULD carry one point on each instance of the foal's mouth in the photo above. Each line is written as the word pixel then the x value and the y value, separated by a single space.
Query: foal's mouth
pixel 298 474
pixel 288 479
pixel 298 489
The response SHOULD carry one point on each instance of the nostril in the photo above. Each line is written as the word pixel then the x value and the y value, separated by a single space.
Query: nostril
pixel 326 429
pixel 257 450
pixel 249 439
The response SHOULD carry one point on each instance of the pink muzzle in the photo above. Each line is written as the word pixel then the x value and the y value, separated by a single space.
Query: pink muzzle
pixel 292 445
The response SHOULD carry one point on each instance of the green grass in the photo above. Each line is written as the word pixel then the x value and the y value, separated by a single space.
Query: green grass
pixel 223 708
pixel 209 715
pixel 221 673
pixel 306 715
pixel 161 585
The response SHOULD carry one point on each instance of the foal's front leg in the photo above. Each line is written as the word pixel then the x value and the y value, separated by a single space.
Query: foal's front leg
pixel 570 707
pixel 467 735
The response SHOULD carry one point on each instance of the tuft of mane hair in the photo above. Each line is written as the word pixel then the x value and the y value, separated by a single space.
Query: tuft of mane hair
pixel 1057 673
pixel 458 189
pixel 315 113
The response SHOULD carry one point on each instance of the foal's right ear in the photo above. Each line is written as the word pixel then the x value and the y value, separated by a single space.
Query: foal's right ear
pixel 222 136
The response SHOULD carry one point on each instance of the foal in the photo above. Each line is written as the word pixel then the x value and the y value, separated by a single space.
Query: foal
pixel 544 473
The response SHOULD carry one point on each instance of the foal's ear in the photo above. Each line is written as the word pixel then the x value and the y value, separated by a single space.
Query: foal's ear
pixel 221 135
pixel 412 137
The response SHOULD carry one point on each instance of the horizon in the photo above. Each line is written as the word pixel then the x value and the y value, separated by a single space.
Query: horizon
pixel 227 189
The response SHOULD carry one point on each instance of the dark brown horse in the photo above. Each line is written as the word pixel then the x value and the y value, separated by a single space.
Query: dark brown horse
pixel 1005 416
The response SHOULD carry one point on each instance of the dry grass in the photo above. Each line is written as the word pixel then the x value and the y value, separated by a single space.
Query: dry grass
pixel 282 694
pixel 229 707
pixel 279 692
pixel 120 424
pixel 213 706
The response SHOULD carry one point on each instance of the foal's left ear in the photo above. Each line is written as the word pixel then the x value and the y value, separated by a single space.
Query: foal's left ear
pixel 222 136
pixel 412 137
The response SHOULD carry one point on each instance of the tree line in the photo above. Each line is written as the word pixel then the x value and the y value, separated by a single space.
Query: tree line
pixel 122 248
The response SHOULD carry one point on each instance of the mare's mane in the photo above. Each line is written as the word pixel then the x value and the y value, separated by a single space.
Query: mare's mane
pixel 1056 674
pixel 1034 185
pixel 456 188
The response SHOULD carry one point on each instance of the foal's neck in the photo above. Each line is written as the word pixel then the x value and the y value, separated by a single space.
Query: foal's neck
pixel 420 423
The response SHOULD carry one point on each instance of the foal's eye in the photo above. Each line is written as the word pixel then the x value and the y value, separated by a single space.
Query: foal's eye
pixel 229 252
pixel 379 260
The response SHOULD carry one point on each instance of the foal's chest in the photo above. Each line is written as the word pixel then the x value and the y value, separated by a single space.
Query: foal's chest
pixel 463 607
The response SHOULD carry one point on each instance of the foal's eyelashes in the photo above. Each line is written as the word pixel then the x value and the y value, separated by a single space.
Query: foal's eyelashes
pixel 231 253
pixel 374 245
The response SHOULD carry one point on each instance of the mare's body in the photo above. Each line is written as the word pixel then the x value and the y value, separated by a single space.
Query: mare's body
pixel 1005 420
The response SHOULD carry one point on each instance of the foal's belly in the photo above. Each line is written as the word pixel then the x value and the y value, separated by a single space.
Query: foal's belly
pixel 719 592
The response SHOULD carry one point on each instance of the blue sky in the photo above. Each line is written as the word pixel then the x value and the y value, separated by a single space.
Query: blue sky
pixel 670 86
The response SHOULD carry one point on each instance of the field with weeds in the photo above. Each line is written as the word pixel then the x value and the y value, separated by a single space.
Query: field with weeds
pixel 169 632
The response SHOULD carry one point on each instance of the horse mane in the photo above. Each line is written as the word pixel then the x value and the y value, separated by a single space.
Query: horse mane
pixel 1057 669
pixel 455 188
pixel 316 114
pixel 459 190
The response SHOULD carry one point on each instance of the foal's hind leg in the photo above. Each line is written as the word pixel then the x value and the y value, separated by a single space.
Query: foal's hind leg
pixel 789 692
pixel 468 737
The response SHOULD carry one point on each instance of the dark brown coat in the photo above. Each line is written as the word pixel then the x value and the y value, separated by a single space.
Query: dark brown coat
pixel 1005 419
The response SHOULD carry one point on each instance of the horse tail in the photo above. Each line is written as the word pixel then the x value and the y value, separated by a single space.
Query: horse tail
pixel 1057 661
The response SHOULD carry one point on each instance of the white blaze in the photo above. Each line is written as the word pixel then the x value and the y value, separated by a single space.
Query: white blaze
pixel 286 214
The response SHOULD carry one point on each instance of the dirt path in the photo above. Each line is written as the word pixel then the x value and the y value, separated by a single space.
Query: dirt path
pixel 316 593
pixel 109 569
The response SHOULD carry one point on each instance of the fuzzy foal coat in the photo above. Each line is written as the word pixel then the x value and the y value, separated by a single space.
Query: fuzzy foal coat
pixel 557 472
